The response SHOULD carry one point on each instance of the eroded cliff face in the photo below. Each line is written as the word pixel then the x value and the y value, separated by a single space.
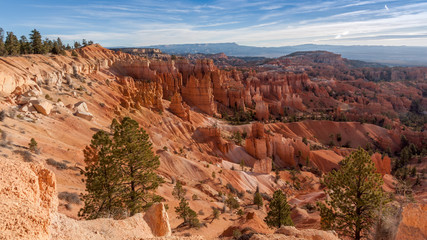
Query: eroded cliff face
pixel 29 210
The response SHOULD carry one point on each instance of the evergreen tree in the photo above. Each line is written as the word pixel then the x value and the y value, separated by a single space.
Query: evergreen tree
pixel 187 214
pixel 12 44
pixel 120 177
pixel 25 45
pixel 77 45
pixel 33 145
pixel 183 210
pixel 47 46
pixel 355 193
pixel 133 150
pixel 36 42
pixel 258 199
pixel 2 47
pixel 103 180
pixel 84 42
pixel 232 202
pixel 280 211
pixel 178 191
pixel 56 49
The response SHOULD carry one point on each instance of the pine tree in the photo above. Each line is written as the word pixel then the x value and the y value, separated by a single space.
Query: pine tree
pixel 232 202
pixel 187 214
pixel 280 211
pixel 103 180
pixel 25 45
pixel 2 47
pixel 355 193
pixel 47 46
pixel 133 150
pixel 183 210
pixel 56 49
pixel 258 199
pixel 36 42
pixel 120 177
pixel 178 191
pixel 33 145
pixel 77 45
pixel 12 44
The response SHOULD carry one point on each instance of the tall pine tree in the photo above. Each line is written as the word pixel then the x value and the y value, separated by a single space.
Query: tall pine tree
pixel 355 194
pixel 36 42
pixel 133 150
pixel 120 177
pixel 2 47
pixel 12 44
pixel 280 211
pixel 25 45
pixel 103 180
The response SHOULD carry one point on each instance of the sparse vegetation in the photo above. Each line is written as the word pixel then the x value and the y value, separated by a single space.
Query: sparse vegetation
pixel 69 197
pixel 2 115
pixel 56 164
pixel 26 155
pixel 33 145
pixel 258 200
pixel 232 202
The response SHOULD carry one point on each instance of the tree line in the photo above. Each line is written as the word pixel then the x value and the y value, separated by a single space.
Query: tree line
pixel 10 45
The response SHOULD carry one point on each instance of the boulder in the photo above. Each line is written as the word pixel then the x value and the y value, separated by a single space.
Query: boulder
pixel 42 106
pixel 85 115
pixel 158 220
pixel 22 100
pixel 81 106
pixel 82 111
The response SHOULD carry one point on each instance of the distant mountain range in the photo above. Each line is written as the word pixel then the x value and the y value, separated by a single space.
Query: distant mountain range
pixel 388 55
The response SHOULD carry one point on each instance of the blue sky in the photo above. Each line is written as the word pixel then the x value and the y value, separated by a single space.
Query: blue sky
pixel 254 23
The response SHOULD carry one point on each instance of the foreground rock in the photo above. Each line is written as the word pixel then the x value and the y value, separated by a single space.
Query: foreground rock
pixel 28 210
pixel 28 200
pixel 158 220
pixel 42 106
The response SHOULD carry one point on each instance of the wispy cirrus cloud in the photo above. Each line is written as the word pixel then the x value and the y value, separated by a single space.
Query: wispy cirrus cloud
pixel 260 23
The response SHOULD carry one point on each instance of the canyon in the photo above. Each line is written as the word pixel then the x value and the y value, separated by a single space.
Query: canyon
pixel 297 117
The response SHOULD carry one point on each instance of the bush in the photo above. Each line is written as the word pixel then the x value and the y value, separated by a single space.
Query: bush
pixel 232 202
pixel 240 212
pixel 3 135
pixel 57 165
pixel 33 145
pixel 215 213
pixel 69 197
pixel 2 115
pixel 231 188
pixel 236 234
pixel 26 155
pixel 195 197
pixel 309 207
